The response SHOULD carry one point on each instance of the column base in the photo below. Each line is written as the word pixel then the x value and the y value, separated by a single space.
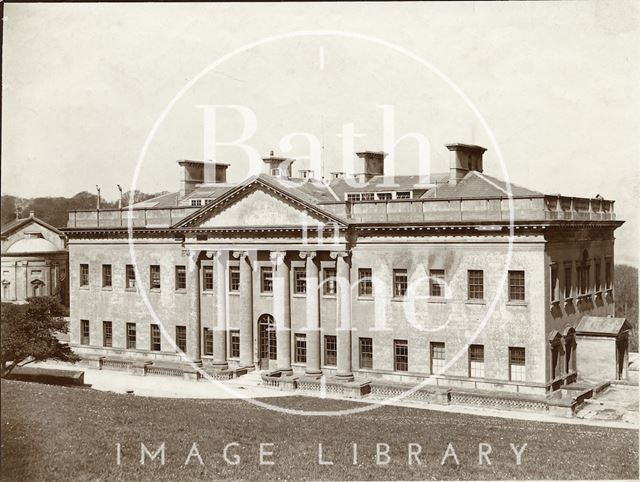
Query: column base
pixel 313 374
pixel 344 377
pixel 219 366
pixel 285 371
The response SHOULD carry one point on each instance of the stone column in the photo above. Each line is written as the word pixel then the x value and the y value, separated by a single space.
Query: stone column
pixel 246 310
pixel 343 326
pixel 220 327
pixel 194 327
pixel 313 315
pixel 282 311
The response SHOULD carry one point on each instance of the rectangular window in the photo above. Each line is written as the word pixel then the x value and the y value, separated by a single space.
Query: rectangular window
pixel 84 275
pixel 554 286
pixel 299 281
pixel 234 279
pixel 330 350
pixel 365 282
pixel 368 196
pixel 196 202
pixel 301 348
pixel 516 364
pixel 476 361
pixel 207 278
pixel 329 281
pixel 181 337
pixel 155 338
pixel 608 273
pixel 353 197
pixel 266 279
pixel 384 196
pixel 181 277
pixel 516 285
pixel 366 352
pixel 107 334
pixel 234 336
pixel 568 280
pixel 475 279
pixel 84 332
pixel 437 357
pixel 401 355
pixel 399 283
pixel 598 275
pixel 106 276
pixel 130 280
pixel 154 277
pixel 436 283
pixel 208 341
pixel 131 336
pixel 403 195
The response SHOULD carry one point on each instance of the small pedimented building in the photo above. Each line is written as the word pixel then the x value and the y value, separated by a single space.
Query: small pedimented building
pixel 458 277
pixel 34 261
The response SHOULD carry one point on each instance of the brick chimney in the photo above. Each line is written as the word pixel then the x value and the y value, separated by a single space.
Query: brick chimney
pixel 372 164
pixel 463 158
pixel 201 172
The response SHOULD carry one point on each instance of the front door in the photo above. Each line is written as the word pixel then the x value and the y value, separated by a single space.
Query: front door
pixel 267 339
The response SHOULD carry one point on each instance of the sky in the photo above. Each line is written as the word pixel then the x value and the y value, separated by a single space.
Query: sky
pixel 556 85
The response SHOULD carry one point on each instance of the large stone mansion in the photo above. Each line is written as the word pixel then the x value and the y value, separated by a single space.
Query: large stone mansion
pixel 354 278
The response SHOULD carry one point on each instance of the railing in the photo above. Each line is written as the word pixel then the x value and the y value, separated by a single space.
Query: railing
pixel 535 208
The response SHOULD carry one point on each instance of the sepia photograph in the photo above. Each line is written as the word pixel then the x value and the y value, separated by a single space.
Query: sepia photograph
pixel 320 240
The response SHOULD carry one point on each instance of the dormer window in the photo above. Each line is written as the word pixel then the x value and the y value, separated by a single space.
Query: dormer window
pixel 384 196
pixel 403 195
pixel 196 202
pixel 276 172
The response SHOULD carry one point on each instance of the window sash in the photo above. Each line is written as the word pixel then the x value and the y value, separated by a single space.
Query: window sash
pixel 329 281
pixel 516 286
pixel 301 348
pixel 330 350
pixel 234 279
pixel 300 281
pixel 154 277
pixel 234 338
pixel 155 338
pixel 181 277
pixel 568 281
pixel 365 282
pixel 181 338
pixel 401 355
pixel 131 336
pixel 208 341
pixel 107 334
pixel 207 278
pixel 554 284
pixel 106 276
pixel 130 276
pixel 437 351
pixel 85 332
pixel 366 352
pixel 266 279
pixel 399 283
pixel 476 284
pixel 84 275
pixel 436 283
pixel 517 364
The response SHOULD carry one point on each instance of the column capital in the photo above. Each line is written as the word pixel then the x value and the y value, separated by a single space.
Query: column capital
pixel 192 254
pixel 215 253
pixel 277 257
pixel 339 254
pixel 308 254
pixel 240 254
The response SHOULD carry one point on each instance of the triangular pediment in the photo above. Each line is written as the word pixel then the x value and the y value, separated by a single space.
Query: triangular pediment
pixel 258 204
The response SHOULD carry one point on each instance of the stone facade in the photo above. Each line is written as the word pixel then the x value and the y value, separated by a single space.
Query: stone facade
pixel 308 277
pixel 34 261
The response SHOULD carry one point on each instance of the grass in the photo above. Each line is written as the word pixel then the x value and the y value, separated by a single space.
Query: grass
pixel 64 433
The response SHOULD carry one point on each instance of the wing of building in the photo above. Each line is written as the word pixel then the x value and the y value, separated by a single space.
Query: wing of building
pixel 34 260
pixel 458 276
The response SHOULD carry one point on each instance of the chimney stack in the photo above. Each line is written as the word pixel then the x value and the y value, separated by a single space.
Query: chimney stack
pixel 463 158
pixel 372 164
pixel 201 172
pixel 278 166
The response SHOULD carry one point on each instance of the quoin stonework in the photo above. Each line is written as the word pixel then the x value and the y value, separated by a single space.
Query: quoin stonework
pixel 360 278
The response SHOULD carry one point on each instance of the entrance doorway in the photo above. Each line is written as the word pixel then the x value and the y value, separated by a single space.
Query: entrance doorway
pixel 267 341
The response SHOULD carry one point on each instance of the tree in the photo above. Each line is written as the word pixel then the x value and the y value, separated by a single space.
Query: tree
pixel 28 333
pixel 626 298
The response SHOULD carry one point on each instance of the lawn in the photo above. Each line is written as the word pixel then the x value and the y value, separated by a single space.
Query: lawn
pixel 62 433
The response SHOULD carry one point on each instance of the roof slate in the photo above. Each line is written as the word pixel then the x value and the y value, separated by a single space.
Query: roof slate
pixel 601 325
pixel 477 185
